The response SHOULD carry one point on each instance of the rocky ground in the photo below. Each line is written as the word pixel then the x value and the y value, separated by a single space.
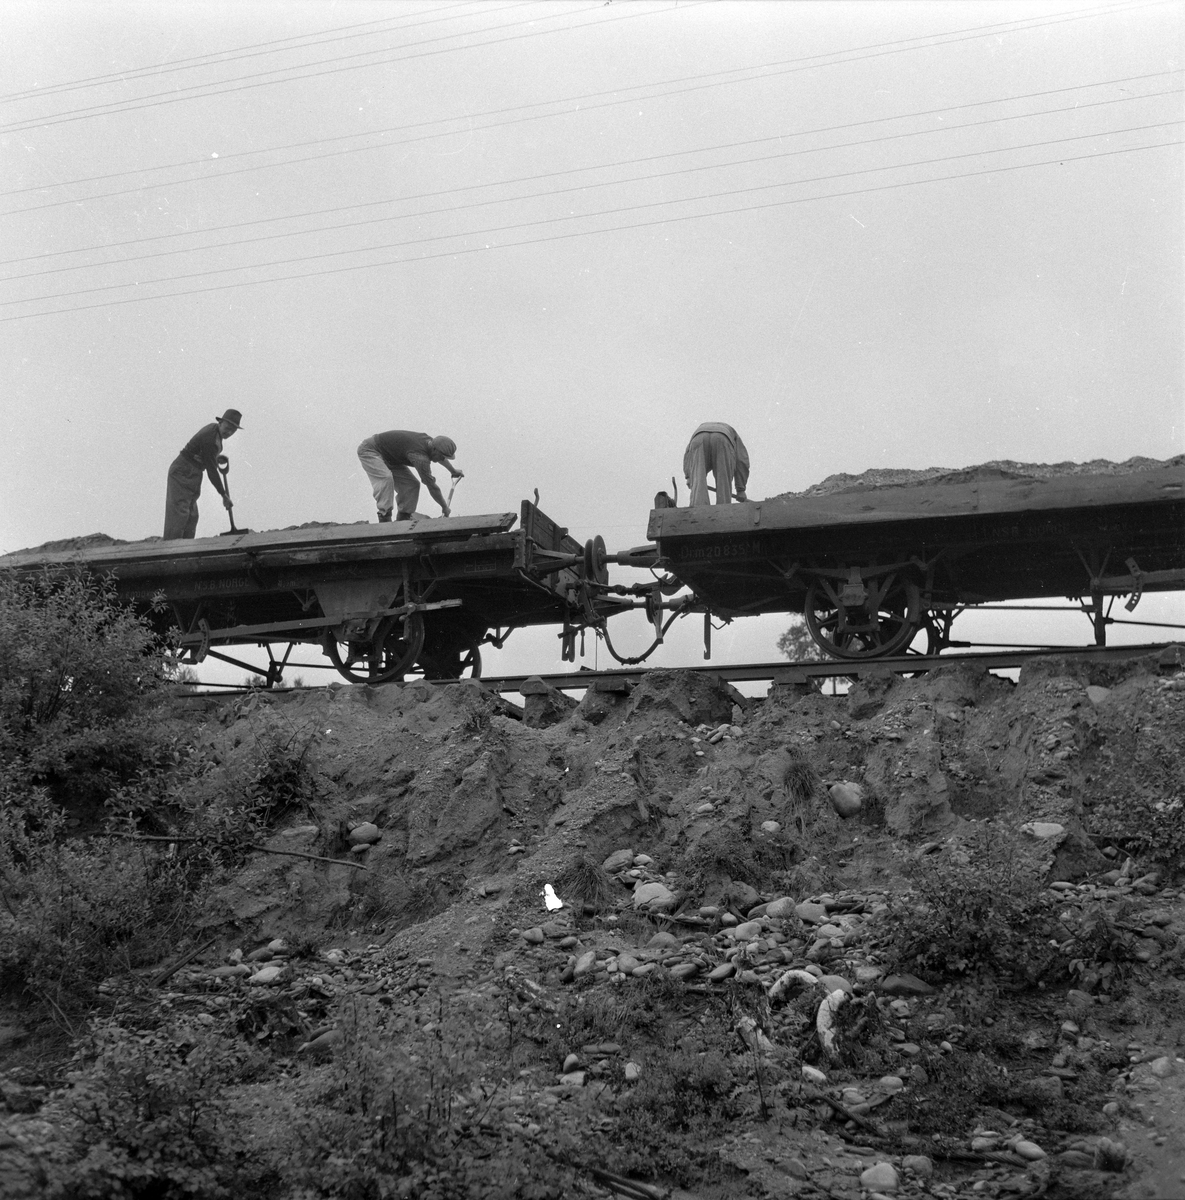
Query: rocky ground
pixel 911 940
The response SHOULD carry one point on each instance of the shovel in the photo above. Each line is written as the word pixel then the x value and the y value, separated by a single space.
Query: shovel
pixel 224 471
pixel 449 502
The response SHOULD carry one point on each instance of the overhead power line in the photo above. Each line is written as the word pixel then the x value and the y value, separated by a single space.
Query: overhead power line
pixel 582 101
pixel 244 83
pixel 669 218
pixel 582 187
pixel 924 42
pixel 237 54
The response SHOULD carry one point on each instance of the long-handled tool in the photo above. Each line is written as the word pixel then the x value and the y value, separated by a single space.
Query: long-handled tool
pixel 449 502
pixel 224 471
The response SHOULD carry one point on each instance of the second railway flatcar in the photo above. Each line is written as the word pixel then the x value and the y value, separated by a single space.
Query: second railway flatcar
pixel 872 567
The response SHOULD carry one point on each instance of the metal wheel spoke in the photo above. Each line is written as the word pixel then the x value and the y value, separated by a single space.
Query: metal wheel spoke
pixel 885 621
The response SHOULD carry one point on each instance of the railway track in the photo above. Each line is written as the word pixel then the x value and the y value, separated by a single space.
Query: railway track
pixel 1172 655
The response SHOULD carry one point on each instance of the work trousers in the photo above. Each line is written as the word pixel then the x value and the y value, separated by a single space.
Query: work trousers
pixel 181 497
pixel 390 484
pixel 710 452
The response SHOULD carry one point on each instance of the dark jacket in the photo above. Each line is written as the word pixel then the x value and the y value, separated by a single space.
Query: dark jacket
pixel 203 449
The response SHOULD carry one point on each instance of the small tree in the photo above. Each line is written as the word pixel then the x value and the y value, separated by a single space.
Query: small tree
pixel 76 669
pixel 797 644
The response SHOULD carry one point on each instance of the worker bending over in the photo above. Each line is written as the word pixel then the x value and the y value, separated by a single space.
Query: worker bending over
pixel 388 458
pixel 185 475
pixel 716 448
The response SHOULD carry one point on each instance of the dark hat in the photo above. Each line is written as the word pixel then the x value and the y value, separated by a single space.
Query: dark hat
pixel 233 416
pixel 445 447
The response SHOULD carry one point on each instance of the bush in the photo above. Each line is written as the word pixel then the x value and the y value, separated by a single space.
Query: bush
pixel 152 1121
pixel 76 670
pixel 76 915
pixel 666 1126
pixel 1149 827
pixel 981 907
pixel 411 1110
pixel 727 853
pixel 279 781
pixel 183 790
pixel 1135 793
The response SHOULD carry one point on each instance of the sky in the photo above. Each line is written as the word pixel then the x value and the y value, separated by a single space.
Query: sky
pixel 565 234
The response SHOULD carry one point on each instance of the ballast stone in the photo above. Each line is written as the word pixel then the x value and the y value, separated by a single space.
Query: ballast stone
pixel 656 897
pixel 880 1178
pixel 846 799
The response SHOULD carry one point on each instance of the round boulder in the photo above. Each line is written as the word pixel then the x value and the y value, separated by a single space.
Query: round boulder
pixel 846 798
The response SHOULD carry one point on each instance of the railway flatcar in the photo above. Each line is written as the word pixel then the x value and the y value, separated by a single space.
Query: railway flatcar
pixel 872 569
pixel 381 601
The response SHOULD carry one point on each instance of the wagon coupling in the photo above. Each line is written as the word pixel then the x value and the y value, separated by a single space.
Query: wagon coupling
pixel 594 559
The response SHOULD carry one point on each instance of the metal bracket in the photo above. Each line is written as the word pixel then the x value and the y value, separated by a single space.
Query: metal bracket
pixel 198 653
pixel 853 594
pixel 1138 576
pixel 654 607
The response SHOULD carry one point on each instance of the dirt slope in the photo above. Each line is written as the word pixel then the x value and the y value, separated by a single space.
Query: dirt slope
pixel 714 900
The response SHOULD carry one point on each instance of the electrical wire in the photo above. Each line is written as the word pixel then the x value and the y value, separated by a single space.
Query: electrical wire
pixel 618 211
pixel 452 209
pixel 397 129
pixel 791 66
pixel 174 97
pixel 219 57
pixel 456 253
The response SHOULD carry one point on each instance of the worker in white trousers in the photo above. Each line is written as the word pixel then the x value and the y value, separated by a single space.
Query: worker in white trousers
pixel 716 449
pixel 389 459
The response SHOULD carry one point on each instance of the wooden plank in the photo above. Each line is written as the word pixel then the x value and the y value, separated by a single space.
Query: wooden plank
pixel 231 552
pixel 921 501
pixel 541 529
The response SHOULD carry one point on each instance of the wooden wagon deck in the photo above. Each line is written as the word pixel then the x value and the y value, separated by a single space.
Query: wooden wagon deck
pixel 869 562
pixel 344 586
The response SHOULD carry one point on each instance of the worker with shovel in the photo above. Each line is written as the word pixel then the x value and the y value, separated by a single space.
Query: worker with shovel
pixel 717 448
pixel 389 458
pixel 200 454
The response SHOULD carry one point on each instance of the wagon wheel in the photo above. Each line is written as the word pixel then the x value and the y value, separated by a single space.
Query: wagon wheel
pixel 886 621
pixel 457 659
pixel 388 655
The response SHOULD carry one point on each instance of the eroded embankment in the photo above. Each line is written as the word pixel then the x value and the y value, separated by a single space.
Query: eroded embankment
pixel 965 981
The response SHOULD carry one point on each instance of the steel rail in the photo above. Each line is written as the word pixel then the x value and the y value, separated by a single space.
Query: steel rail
pixel 801 672
pixel 784 672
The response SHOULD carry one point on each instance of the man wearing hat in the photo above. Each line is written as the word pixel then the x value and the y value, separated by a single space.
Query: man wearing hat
pixel 185 475
pixel 388 459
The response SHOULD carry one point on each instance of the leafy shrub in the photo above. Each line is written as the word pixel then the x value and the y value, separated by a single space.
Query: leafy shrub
pixel 683 1091
pixel 152 1121
pixel 411 1110
pixel 284 780
pixel 75 915
pixel 401 898
pixel 979 908
pixel 218 813
pixel 1147 826
pixel 728 853
pixel 1135 796
pixel 667 1123
pixel 77 670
